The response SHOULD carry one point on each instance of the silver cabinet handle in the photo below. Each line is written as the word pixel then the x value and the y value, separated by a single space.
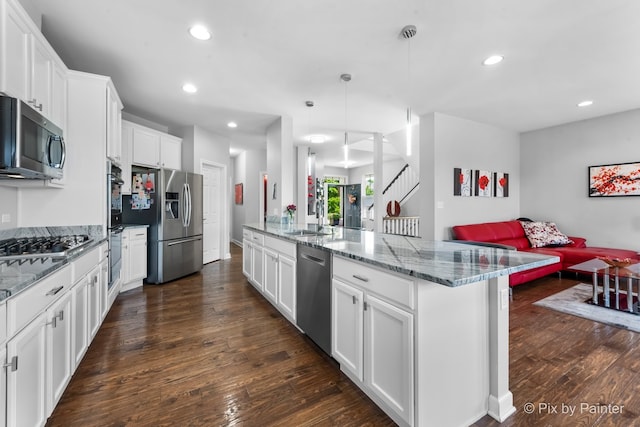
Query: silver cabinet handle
pixel 365 306
pixel 364 279
pixel 13 364
pixel 55 290
pixel 354 299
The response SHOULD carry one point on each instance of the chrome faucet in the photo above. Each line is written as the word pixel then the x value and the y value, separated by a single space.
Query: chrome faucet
pixel 319 214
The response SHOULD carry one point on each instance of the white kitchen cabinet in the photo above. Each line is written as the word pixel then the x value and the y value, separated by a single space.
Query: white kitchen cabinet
pixel 30 69
pixel 59 349
pixel 257 267
pixel 372 334
pixel 170 152
pixel 80 319
pixel 154 148
pixel 94 312
pixel 107 296
pixel 287 286
pixel 134 257
pixel 253 258
pixel 270 282
pixel 26 375
pixel 348 327
pixel 3 386
pixel 246 259
pixel 127 142
pixel 114 125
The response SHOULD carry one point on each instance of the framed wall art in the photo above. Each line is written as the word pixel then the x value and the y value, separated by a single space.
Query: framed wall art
pixel 462 182
pixel 501 184
pixel 483 183
pixel 238 194
pixel 621 179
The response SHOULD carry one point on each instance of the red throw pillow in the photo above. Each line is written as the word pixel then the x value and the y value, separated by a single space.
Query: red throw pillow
pixel 542 234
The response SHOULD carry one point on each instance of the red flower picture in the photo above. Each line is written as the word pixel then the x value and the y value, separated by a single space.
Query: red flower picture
pixel 614 180
pixel 501 188
pixel 484 183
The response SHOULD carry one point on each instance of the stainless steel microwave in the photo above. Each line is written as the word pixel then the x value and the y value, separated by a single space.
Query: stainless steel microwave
pixel 31 147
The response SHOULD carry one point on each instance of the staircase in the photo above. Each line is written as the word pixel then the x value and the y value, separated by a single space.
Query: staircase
pixel 400 189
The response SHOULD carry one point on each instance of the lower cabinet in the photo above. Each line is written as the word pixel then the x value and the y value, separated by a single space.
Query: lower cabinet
pixel 26 375
pixel 372 336
pixel 270 265
pixel 59 354
pixel 134 257
pixel 80 329
pixel 3 386
pixel 94 310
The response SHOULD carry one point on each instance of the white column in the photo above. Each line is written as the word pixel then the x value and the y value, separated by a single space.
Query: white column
pixel 378 182
pixel 500 397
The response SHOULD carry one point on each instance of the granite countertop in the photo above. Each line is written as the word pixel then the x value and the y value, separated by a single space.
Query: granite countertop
pixel 16 276
pixel 448 263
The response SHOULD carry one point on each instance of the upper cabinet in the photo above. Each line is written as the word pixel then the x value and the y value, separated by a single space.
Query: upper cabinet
pixel 152 148
pixel 29 67
pixel 114 125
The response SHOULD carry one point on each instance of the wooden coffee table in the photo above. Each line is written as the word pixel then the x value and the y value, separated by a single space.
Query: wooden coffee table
pixel 600 269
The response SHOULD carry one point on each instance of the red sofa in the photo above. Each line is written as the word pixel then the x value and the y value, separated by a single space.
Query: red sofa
pixel 511 234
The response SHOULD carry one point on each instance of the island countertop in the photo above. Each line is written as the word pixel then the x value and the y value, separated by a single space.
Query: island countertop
pixel 444 262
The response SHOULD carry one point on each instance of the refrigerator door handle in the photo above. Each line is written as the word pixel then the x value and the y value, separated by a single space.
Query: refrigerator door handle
pixel 190 205
pixel 184 205
pixel 179 242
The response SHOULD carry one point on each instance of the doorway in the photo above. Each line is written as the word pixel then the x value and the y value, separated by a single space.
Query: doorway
pixel 212 211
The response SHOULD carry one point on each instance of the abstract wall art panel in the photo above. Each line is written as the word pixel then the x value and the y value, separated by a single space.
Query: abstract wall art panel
pixel 462 182
pixel 622 179
pixel 501 184
pixel 483 183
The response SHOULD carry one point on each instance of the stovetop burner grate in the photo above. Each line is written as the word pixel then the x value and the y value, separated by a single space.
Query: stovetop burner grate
pixel 38 247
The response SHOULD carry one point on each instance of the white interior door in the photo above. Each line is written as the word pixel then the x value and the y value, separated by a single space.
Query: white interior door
pixel 212 212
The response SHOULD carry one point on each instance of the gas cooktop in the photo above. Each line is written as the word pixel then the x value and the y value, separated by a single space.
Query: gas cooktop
pixel 22 248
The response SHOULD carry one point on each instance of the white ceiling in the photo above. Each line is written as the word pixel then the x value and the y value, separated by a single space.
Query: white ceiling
pixel 266 58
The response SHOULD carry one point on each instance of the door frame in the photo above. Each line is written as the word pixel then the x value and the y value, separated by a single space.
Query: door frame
pixel 225 210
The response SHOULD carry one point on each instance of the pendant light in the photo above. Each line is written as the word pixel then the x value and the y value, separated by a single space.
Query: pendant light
pixel 407 33
pixel 345 78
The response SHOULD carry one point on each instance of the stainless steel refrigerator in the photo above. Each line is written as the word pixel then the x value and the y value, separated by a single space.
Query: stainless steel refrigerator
pixel 170 202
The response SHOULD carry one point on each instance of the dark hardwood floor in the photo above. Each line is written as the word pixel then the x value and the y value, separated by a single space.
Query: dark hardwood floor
pixel 208 350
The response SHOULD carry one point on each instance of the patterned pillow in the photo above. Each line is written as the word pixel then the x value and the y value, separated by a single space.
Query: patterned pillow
pixel 544 234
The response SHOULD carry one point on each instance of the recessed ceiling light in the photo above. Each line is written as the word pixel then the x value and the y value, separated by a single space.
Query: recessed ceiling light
pixel 493 60
pixel 317 139
pixel 232 124
pixel 200 32
pixel 585 103
pixel 189 88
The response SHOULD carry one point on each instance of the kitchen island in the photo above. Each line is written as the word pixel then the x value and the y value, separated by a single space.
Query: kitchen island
pixel 422 327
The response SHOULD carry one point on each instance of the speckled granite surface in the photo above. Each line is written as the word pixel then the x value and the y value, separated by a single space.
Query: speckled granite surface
pixel 16 276
pixel 447 263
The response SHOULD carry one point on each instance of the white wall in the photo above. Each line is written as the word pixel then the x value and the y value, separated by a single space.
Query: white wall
pixel 9 206
pixel 554 176
pixel 246 171
pixel 281 166
pixel 463 143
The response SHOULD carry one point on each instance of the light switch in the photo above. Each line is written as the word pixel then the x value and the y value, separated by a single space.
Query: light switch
pixel 440 205
pixel 6 218
pixel 504 299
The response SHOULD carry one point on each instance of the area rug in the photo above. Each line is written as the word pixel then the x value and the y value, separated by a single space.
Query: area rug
pixel 573 301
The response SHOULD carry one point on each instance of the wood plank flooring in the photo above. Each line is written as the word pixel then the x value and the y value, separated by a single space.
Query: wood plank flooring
pixel 208 350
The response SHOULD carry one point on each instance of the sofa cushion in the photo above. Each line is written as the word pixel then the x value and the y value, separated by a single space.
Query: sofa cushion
pixel 542 234
pixel 489 232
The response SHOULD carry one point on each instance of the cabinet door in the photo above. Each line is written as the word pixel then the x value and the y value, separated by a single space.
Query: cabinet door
pixel 257 259
pixel 103 287
pixel 171 152
pixel 16 61
pixel 58 111
pixel 347 327
pixel 59 356
pixel 3 386
pixel 389 355
pixel 127 147
pixel 137 254
pixel 41 78
pixel 114 132
pixel 93 302
pixel 246 259
pixel 287 286
pixel 271 275
pixel 80 321
pixel 146 147
pixel 26 404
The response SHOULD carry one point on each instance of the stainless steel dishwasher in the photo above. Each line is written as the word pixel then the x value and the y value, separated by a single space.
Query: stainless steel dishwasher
pixel 314 295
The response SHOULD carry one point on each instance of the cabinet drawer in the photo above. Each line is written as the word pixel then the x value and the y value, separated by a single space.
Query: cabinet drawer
pixel 246 234
pixel 278 245
pixel 394 288
pixel 85 263
pixel 22 308
pixel 257 238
